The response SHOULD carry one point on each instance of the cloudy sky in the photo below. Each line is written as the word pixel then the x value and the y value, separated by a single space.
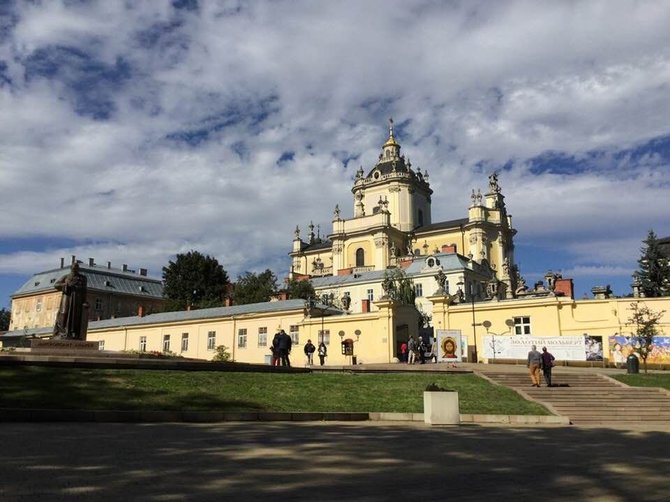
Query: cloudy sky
pixel 133 131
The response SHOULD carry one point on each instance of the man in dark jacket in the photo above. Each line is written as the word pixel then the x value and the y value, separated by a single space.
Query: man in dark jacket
pixel 284 348
pixel 309 352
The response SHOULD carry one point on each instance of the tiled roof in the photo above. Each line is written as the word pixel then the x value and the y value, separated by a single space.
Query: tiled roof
pixel 98 279
pixel 185 315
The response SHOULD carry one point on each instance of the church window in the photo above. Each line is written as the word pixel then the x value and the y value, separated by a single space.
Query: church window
pixel 418 289
pixel 420 218
pixel 360 257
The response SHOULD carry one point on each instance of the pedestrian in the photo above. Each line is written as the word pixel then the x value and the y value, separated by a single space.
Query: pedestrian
pixel 284 348
pixel 534 363
pixel 274 348
pixel 422 350
pixel 547 364
pixel 323 352
pixel 309 352
pixel 403 352
pixel 433 350
pixel 411 350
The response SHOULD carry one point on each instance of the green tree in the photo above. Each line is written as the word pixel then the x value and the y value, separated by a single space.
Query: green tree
pixel 255 288
pixel 222 354
pixel 654 272
pixel 300 289
pixel 194 280
pixel 5 315
pixel 645 322
pixel 400 287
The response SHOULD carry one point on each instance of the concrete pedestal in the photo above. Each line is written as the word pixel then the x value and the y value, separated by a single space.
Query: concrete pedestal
pixel 441 408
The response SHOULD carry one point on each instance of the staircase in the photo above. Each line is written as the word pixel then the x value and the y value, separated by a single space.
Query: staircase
pixel 591 399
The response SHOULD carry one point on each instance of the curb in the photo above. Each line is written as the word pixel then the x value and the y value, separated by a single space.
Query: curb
pixel 165 416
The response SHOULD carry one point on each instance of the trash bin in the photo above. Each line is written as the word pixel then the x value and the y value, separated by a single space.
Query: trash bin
pixel 632 364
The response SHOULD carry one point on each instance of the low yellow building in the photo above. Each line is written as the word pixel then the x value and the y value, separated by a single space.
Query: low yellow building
pixel 374 336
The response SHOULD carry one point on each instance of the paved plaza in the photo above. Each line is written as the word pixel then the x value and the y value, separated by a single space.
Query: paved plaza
pixel 329 461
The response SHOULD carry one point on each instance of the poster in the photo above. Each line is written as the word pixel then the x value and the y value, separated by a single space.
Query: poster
pixel 622 346
pixel 449 345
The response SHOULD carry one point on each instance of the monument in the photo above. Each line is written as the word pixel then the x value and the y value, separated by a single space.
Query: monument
pixel 69 333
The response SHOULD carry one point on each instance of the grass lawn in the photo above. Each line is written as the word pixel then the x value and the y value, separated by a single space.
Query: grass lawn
pixel 94 389
pixel 646 380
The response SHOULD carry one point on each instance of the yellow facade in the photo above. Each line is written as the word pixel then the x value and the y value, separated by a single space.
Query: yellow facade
pixel 376 335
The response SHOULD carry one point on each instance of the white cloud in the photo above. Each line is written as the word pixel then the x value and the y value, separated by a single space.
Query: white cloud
pixel 472 86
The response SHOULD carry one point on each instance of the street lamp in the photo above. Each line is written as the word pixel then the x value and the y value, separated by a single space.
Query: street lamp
pixel 487 324
pixel 474 324
pixel 311 304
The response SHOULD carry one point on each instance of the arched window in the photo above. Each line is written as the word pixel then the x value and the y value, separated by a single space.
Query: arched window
pixel 360 257
pixel 420 218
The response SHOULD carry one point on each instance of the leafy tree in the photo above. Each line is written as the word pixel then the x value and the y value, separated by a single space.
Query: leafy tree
pixel 222 354
pixel 400 287
pixel 4 319
pixel 654 271
pixel 255 288
pixel 645 322
pixel 300 289
pixel 195 280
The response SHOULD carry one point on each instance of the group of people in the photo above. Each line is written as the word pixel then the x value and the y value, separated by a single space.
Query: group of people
pixel 537 361
pixel 281 348
pixel 310 349
pixel 417 350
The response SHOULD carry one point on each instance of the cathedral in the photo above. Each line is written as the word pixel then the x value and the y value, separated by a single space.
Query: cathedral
pixel 392 227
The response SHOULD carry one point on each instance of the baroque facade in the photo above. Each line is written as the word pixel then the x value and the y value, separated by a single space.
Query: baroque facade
pixel 392 227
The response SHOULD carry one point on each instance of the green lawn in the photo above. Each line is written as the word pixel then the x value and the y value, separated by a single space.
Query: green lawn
pixel 646 380
pixel 63 388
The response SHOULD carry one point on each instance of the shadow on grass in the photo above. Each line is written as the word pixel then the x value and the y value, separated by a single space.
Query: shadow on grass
pixel 27 387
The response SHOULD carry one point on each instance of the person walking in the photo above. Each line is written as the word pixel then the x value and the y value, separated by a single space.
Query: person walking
pixel 411 350
pixel 323 352
pixel 547 363
pixel 534 363
pixel 309 352
pixel 422 350
pixel 284 348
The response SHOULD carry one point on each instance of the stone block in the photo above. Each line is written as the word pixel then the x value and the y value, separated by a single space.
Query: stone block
pixel 441 408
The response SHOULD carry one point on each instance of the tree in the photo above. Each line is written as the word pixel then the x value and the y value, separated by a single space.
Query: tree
pixel 255 288
pixel 654 272
pixel 300 289
pixel 399 287
pixel 5 315
pixel 194 280
pixel 645 322
pixel 222 354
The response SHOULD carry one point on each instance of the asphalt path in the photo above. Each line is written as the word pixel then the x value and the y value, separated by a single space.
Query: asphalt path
pixel 326 461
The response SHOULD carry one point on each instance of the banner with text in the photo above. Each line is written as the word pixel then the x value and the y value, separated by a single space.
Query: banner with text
pixel 565 348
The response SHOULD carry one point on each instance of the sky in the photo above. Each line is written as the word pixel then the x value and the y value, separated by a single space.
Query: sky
pixel 134 131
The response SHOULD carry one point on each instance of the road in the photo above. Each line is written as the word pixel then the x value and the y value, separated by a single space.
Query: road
pixel 281 461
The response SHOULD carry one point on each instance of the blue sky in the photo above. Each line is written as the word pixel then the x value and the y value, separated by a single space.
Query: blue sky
pixel 133 131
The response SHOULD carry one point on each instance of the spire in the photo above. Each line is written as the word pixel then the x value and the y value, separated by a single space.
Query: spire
pixel 390 149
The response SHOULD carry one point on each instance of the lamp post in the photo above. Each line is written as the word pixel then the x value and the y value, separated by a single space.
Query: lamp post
pixel 487 324
pixel 310 303
pixel 474 324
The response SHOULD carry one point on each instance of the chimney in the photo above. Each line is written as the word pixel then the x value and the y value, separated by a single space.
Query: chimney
pixel 365 306
pixel 74 258
pixel 143 271
pixel 62 263
pixel 91 262
pixel 227 301
pixel 564 286
pixel 125 267
pixel 140 311
pixel 109 264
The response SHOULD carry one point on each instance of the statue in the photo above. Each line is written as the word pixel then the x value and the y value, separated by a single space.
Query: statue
pixel 72 316
pixel 441 278
pixel 493 183
pixel 346 302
